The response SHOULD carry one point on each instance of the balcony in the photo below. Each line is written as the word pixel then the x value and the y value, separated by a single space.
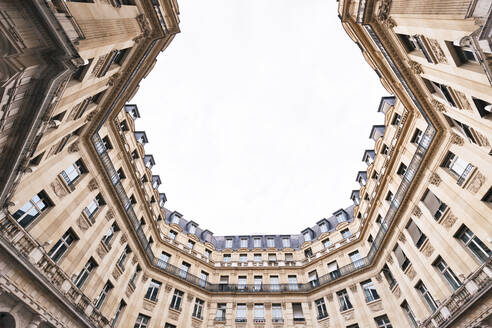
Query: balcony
pixel 478 284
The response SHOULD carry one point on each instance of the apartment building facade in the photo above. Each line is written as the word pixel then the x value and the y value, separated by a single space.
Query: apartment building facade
pixel 87 240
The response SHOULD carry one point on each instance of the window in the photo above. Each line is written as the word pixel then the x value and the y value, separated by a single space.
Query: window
pixel 135 275
pixel 388 276
pixel 401 169
pixel 356 259
pixel 369 291
pixel 272 257
pixel 257 257
pixel 456 165
pixel 326 243
pixel 168 325
pixel 274 283
pixel 293 283
pixel 417 136
pixel 370 240
pixel 122 260
pixel 224 280
pixel 384 149
pixel 142 321
pixel 447 273
pixel 190 244
pixel 487 198
pixel 172 234
pixel 221 312
pixel 383 322
pixel 241 282
pixel 402 259
pixel 313 278
pixel 85 273
pixel 286 242
pixel 308 252
pixel 62 245
pixel 321 307
pixel 435 206
pixel 289 257
pixel 244 242
pixel 297 311
pixel 409 313
pixel 192 229
pixel 119 56
pixel 103 295
pixel 32 209
pixel 345 233
pixel 228 243
pixel 183 272
pixel 227 258
pixel 94 205
pixel 121 307
pixel 408 42
pixel 353 326
pixel 389 196
pixel 270 242
pixel 259 313
pixel 474 244
pixel 73 172
pixel 121 174
pixel 323 227
pixel 108 236
pixel 484 108
pixel 243 258
pixel 277 313
pixel 464 54
pixel 203 278
pixel 163 260
pixel 396 119
pixel 107 143
pixel 344 300
pixel 257 242
pixel 176 300
pixel 333 270
pixel 307 236
pixel 258 281
pixel 153 290
pixel 417 236
pixel 208 253
pixel 198 308
pixel 427 296
pixel 241 313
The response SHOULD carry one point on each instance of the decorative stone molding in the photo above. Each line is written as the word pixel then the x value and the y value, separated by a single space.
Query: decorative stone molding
pixel 436 49
pixel 389 23
pixel 378 277
pixel 353 288
pixel 144 26
pixel 428 249
pixel 457 139
pixel 113 79
pixel 109 215
pixel 91 116
pixel 123 238
pixel 438 106
pixel 411 273
pixel 435 179
pixel 148 306
pixel 329 297
pixel 476 183
pixel 401 237
pixel 383 10
pixel 449 220
pixel 415 67
pixel 482 139
pixel 145 277
pixel 92 185
pixel 390 259
pixel 417 211
pixel 190 297
pixel 82 223
pixel 168 288
pixel 58 188
pixel 129 290
pixel 376 306
pixel 173 316
pixel 74 147
pixel 463 100
pixel 134 259
pixel 116 273
pixel 348 315
pixel 100 251
pixel 397 292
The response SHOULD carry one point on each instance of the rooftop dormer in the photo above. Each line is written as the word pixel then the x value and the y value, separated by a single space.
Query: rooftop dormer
pixel 141 137
pixel 132 110
pixel 149 161
pixel 361 178
pixel 377 132
pixel 368 156
pixel 386 103
pixel 156 181
pixel 355 197
pixel 162 199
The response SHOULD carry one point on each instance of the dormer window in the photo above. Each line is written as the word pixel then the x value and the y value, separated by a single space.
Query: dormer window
pixel 192 228
pixel 270 242
pixel 257 242
pixel 107 144
pixel 389 196
pixel 341 217
pixel 307 235
pixel 228 243
pixel 384 149
pixel 286 242
pixel 308 252
pixel 135 154
pixel 323 227
pixel 175 218
pixel 244 243
pixel 124 126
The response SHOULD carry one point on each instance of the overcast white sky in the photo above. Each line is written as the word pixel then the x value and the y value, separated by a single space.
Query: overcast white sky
pixel 258 114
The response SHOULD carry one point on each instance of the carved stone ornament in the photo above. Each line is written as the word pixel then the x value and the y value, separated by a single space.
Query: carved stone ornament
pixel 91 116
pixel 144 25
pixel 415 67
pixel 476 183
pixel 349 315
pixel 482 139
pixel 411 273
pixel 74 147
pixel 100 251
pixel 390 259
pixel 378 277
pixel 436 49
pixel 438 106
pixel 449 220
pixel 129 291
pixel 190 297
pixel 113 79
pixel 435 179
pixel 109 215
pixel 144 278
pixel 92 185
pixel 82 223
pixel 329 297
pixel 401 237
pixel 456 139
pixel 463 100
pixel 123 238
pixel 353 288
pixel 58 188
pixel 148 306
pixel 173 316
pixel 389 23
pixel 168 287
pixel 377 306
pixel 134 259
pixel 397 291
pixel 116 273
pixel 428 249
pixel 383 10
pixel 417 211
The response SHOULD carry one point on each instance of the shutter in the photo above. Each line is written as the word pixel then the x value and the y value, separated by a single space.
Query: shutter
pixel 414 232
pixel 432 202
pixel 399 255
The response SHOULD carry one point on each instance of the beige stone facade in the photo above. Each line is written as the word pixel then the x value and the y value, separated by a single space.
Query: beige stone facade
pixel 86 238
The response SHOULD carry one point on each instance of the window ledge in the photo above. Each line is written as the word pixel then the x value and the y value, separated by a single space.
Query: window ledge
pixel 347 311
pixel 324 319
pixel 175 311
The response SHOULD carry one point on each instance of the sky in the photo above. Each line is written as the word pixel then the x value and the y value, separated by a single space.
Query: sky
pixel 258 114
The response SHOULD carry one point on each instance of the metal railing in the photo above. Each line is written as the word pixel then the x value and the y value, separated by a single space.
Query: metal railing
pixel 465 174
